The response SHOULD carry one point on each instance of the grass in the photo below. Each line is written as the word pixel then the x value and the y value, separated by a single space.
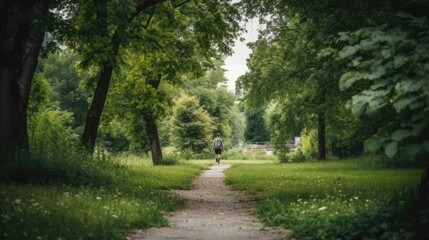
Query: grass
pixel 349 199
pixel 133 199
pixel 246 154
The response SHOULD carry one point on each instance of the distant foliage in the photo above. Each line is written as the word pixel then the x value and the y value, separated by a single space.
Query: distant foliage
pixel 39 94
pixel 192 126
pixel 256 128
pixel 67 83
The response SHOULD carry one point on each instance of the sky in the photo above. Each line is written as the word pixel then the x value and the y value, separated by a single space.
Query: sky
pixel 235 65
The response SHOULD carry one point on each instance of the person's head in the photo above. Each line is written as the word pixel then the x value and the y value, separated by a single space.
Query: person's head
pixel 218 135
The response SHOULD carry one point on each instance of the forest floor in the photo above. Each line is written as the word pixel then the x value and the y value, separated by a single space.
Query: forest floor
pixel 212 211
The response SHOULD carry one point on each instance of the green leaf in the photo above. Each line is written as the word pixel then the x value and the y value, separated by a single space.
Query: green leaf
pixel 399 61
pixel 386 53
pixel 326 52
pixel 377 72
pixel 417 128
pixel 373 144
pixel 404 102
pixel 375 104
pixel 416 105
pixel 400 134
pixel 391 148
pixel 347 51
pixel 379 83
pixel 349 78
pixel 344 36
pixel 368 45
pixel 408 86
pixel 411 150
pixel 358 104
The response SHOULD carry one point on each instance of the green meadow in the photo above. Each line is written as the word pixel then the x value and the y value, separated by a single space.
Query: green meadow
pixel 341 199
pixel 344 199
pixel 134 198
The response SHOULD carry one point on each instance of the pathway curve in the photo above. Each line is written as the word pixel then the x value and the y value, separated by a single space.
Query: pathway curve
pixel 212 211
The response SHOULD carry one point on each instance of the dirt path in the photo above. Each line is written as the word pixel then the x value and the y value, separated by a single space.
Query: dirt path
pixel 212 211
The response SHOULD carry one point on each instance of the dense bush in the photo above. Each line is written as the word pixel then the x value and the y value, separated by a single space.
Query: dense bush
pixel 54 157
pixel 73 168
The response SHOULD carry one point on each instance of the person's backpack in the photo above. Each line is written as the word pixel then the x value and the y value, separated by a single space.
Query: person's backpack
pixel 217 143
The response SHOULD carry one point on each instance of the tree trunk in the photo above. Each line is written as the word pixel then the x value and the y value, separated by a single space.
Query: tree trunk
pixel 20 43
pixel 94 113
pixel 96 108
pixel 155 146
pixel 152 130
pixel 321 127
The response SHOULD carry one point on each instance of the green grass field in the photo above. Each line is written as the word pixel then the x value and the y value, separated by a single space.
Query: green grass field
pixel 349 199
pixel 134 200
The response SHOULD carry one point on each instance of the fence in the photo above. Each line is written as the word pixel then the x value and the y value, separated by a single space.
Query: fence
pixel 266 146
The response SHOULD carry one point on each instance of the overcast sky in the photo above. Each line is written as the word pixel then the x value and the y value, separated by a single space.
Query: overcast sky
pixel 235 65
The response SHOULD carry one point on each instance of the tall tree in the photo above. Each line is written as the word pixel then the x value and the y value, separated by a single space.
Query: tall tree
pixel 68 88
pixel 286 63
pixel 22 30
pixel 256 128
pixel 21 38
pixel 105 26
pixel 215 98
pixel 148 77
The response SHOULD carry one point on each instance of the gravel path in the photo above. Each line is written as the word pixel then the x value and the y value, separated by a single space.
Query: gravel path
pixel 212 211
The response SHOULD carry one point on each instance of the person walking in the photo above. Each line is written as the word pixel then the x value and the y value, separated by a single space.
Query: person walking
pixel 218 147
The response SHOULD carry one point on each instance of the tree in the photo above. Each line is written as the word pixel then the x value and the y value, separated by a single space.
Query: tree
pixel 22 26
pixel 286 63
pixel 391 61
pixel 20 41
pixel 388 71
pixel 219 103
pixel 214 97
pixel 148 79
pixel 112 25
pixel 68 90
pixel 238 124
pixel 256 130
pixel 286 67
pixel 192 126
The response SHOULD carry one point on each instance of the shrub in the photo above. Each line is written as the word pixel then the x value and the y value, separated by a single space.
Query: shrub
pixel 170 159
pixel 54 157
pixel 75 169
